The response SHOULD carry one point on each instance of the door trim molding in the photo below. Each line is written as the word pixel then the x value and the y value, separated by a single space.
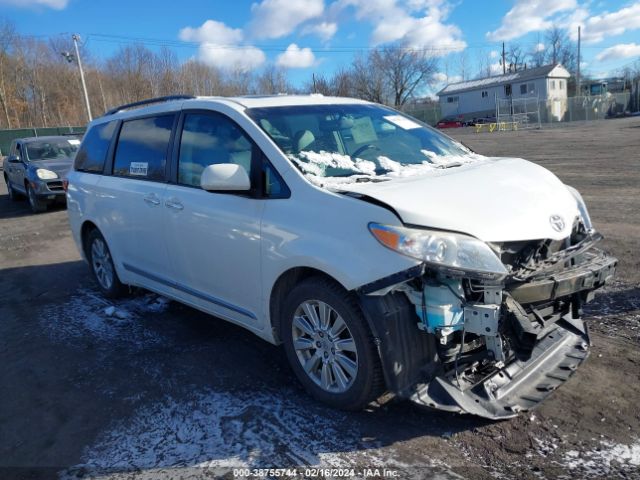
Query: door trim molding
pixel 190 291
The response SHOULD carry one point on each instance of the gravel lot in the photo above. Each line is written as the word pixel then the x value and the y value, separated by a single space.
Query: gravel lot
pixel 158 390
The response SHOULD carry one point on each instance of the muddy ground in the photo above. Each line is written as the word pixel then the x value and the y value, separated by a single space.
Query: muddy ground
pixel 158 390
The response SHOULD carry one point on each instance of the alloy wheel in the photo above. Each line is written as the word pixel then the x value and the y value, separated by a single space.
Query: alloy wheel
pixel 102 264
pixel 324 346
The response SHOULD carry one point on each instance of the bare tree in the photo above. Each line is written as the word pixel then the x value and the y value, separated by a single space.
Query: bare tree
pixel 463 61
pixel 516 57
pixel 405 70
pixel 272 80
pixel 342 83
pixel 560 48
pixel 367 77
pixel 538 54
pixel 7 33
pixel 484 64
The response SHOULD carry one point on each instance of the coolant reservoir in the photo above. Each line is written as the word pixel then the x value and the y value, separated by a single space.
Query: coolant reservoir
pixel 443 307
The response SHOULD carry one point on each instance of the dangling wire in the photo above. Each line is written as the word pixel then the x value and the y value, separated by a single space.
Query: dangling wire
pixel 455 363
pixel 424 306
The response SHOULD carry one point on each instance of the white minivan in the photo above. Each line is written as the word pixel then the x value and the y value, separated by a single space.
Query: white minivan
pixel 383 255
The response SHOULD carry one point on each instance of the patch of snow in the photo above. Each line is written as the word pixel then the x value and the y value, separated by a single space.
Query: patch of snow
pixel 603 460
pixel 314 166
pixel 215 432
pixel 87 315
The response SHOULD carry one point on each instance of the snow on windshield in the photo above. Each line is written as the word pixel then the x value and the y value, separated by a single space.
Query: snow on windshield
pixel 315 166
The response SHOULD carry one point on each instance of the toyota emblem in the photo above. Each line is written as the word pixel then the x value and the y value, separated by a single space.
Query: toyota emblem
pixel 557 222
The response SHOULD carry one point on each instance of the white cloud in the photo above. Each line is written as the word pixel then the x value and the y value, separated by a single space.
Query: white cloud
pixel 212 31
pixel 439 77
pixel 539 47
pixel 529 16
pixel 324 30
pixel 494 54
pixel 496 69
pixel 221 46
pixel 536 15
pixel 228 57
pixel 296 57
pixel 623 50
pixel 277 18
pixel 394 21
pixel 598 27
pixel 55 4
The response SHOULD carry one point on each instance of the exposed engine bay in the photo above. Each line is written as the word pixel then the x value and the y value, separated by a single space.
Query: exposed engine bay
pixel 463 344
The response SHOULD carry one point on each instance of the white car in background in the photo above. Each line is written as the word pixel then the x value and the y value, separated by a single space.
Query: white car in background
pixel 382 254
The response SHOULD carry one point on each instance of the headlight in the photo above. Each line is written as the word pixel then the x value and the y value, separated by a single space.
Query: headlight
pixel 452 252
pixel 44 174
pixel 582 208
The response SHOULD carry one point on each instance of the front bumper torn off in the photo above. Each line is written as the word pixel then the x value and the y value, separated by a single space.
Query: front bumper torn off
pixel 559 343
pixel 519 386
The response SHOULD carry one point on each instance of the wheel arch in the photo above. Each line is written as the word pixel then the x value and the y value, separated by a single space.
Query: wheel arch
pixel 87 227
pixel 282 285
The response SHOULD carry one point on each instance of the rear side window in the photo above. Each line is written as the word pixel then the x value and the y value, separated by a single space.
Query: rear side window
pixel 142 148
pixel 94 148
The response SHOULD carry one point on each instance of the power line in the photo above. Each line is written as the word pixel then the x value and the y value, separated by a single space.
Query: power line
pixel 269 47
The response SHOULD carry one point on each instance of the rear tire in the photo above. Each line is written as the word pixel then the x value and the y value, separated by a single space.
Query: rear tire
pixel 102 266
pixel 329 345
pixel 13 195
pixel 37 205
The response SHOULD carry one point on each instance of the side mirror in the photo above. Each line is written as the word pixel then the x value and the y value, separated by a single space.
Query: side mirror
pixel 14 159
pixel 225 177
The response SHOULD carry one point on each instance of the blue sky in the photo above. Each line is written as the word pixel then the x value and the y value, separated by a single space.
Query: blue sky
pixel 320 36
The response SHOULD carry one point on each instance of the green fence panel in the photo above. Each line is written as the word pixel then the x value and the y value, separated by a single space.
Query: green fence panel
pixel 7 136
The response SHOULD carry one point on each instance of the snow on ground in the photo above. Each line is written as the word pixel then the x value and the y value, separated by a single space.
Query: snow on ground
pixel 600 462
pixel 88 315
pixel 215 432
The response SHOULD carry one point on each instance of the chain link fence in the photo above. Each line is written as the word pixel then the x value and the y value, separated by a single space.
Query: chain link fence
pixel 585 108
pixel 533 112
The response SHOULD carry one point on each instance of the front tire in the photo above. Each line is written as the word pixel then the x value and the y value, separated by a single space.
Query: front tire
pixel 330 346
pixel 37 205
pixel 102 266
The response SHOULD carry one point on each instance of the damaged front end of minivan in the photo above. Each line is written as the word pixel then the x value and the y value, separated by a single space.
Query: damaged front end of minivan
pixel 489 329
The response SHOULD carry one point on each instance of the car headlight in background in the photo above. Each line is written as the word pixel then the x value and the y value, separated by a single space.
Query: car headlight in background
pixel 453 252
pixel 44 174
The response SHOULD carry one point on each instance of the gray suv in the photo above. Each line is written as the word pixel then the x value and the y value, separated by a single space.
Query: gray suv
pixel 37 167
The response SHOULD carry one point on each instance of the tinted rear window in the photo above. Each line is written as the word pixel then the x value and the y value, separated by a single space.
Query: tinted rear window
pixel 94 148
pixel 142 148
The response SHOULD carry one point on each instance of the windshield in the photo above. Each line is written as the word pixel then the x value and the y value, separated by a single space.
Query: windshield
pixel 362 142
pixel 52 149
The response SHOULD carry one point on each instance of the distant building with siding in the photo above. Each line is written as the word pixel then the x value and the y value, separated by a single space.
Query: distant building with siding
pixel 477 98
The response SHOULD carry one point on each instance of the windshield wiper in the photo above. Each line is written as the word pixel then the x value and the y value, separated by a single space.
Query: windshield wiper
pixel 449 165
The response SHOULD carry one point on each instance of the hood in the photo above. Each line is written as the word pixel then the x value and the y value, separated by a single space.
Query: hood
pixel 60 165
pixel 497 200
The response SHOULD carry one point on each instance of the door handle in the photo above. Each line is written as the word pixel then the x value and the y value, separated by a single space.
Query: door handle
pixel 174 203
pixel 152 199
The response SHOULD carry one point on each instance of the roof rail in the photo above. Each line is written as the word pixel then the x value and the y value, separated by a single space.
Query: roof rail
pixel 148 102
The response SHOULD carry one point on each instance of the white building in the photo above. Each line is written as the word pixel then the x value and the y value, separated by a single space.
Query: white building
pixel 477 98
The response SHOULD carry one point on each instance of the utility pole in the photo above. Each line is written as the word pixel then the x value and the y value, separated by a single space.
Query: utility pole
pixel 84 85
pixel 578 72
pixel 504 64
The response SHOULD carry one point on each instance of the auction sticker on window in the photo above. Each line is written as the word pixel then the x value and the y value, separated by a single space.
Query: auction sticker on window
pixel 139 168
pixel 402 122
